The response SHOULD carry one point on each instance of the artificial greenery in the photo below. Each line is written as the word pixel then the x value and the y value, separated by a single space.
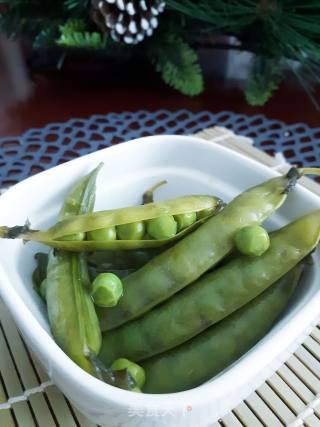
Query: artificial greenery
pixel 280 33
pixel 73 34
pixel 178 64
pixel 265 77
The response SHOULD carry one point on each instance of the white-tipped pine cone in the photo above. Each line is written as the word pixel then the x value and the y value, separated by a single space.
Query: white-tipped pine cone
pixel 128 21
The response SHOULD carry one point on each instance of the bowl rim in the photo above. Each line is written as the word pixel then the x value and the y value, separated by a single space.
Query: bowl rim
pixel 60 361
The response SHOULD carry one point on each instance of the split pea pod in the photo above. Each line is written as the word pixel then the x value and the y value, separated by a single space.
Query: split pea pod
pixel 206 355
pixel 124 220
pixel 73 320
pixel 214 296
pixel 188 259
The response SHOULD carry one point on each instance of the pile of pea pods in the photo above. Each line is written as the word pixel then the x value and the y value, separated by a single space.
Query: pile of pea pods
pixel 161 297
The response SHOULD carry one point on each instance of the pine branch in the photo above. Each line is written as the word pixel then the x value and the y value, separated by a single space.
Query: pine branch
pixel 74 34
pixel 265 77
pixel 77 4
pixel 177 63
pixel 231 16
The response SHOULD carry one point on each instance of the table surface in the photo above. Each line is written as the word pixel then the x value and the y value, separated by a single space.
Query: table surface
pixel 58 96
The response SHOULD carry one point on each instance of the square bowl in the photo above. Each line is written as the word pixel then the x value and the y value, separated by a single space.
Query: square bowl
pixel 191 166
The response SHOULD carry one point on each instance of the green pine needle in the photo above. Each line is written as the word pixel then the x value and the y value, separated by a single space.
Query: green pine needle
pixel 177 63
pixel 230 16
pixel 77 4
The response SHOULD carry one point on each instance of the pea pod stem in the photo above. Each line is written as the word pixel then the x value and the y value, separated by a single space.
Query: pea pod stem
pixel 309 171
pixel 147 196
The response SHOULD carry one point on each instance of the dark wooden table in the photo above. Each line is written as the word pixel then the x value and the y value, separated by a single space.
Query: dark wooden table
pixel 59 96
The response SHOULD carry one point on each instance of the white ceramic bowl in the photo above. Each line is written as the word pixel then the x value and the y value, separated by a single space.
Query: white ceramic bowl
pixel 191 166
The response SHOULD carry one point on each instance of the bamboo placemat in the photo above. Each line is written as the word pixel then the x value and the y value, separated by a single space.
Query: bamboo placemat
pixel 291 397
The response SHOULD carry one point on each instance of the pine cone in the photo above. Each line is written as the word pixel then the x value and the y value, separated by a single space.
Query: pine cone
pixel 128 21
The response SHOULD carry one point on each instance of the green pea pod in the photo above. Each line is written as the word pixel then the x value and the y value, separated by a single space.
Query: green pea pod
pixel 122 259
pixel 71 312
pixel 110 218
pixel 56 236
pixel 206 355
pixel 214 296
pixel 188 259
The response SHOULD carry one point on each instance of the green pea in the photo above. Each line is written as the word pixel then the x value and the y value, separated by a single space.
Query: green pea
pixel 43 289
pixel 205 212
pixel 252 240
pixel 162 227
pixel 185 220
pixel 136 371
pixel 102 234
pixel 76 236
pixel 131 231
pixel 107 289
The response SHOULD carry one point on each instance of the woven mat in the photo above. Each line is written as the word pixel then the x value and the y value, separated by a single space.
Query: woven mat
pixel 291 397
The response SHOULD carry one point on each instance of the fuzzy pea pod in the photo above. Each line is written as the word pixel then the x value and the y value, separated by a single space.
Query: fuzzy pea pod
pixel 214 296
pixel 71 225
pixel 206 355
pixel 71 312
pixel 188 259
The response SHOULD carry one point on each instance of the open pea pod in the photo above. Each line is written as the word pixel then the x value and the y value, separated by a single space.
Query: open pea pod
pixel 102 219
pixel 109 218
